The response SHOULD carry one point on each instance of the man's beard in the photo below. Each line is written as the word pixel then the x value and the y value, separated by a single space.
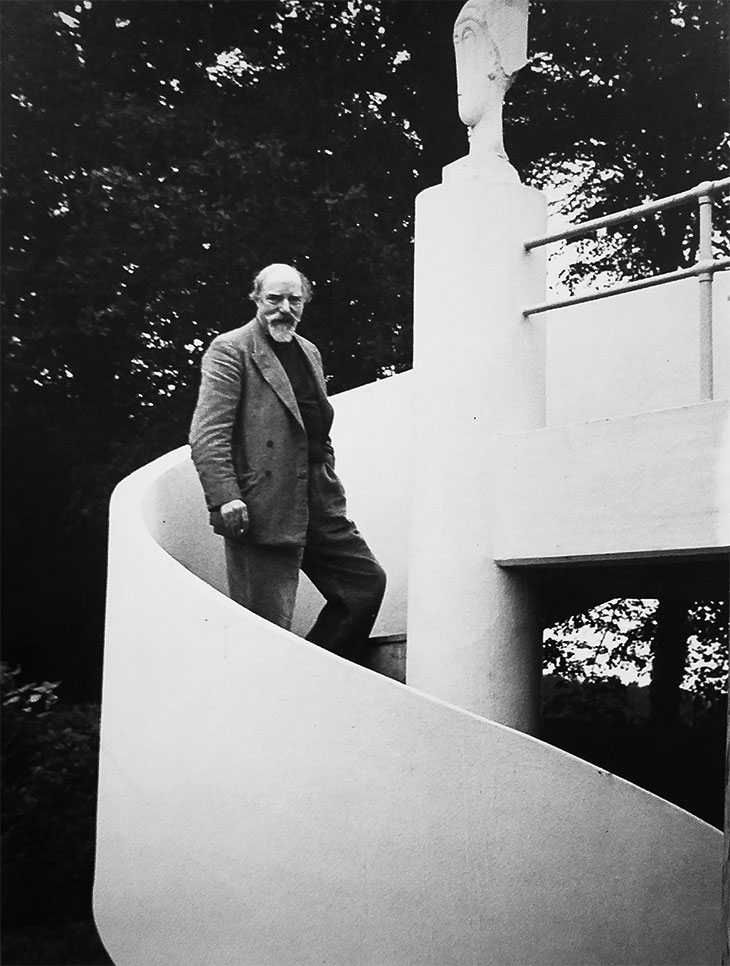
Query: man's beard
pixel 282 331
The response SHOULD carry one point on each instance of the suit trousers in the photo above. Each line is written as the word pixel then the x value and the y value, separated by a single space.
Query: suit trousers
pixel 335 558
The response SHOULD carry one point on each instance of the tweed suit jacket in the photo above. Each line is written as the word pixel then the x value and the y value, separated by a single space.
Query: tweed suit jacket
pixel 247 437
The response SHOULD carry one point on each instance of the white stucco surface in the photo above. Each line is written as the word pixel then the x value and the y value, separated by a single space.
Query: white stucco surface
pixel 633 353
pixel 474 634
pixel 633 486
pixel 264 803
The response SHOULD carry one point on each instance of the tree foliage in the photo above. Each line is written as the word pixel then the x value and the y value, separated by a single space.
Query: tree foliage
pixel 635 108
pixel 155 155
pixel 617 640
pixel 49 759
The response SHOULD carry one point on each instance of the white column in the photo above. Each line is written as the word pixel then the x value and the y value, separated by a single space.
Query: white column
pixel 474 636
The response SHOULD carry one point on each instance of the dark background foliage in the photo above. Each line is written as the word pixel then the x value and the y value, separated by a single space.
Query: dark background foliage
pixel 154 156
pixel 49 755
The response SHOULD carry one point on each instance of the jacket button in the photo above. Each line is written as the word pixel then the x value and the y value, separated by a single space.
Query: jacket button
pixel 269 443
pixel 267 474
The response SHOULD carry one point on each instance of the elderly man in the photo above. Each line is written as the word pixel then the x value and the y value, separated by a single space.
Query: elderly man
pixel 261 446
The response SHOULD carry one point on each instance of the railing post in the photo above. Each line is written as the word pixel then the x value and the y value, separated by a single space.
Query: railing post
pixel 705 291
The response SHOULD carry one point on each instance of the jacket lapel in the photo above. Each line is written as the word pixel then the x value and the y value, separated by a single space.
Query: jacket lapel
pixel 273 372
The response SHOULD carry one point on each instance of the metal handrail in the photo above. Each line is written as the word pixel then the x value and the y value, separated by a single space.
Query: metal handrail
pixel 632 214
pixel 704 268
pixel 712 265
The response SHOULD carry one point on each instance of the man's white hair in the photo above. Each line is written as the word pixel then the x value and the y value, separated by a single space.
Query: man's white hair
pixel 260 278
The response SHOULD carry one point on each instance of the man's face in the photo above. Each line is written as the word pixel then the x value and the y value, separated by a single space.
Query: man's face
pixel 280 303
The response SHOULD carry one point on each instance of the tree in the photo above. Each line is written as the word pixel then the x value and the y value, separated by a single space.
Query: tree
pixel 678 646
pixel 164 181
pixel 629 637
pixel 49 758
pixel 155 155
pixel 635 105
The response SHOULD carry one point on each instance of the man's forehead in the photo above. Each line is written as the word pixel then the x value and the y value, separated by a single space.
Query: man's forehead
pixel 279 276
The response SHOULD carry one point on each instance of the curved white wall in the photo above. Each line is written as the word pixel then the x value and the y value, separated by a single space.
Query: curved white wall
pixel 372 448
pixel 264 802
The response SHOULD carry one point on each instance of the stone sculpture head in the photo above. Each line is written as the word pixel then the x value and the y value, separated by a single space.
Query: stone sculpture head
pixel 476 59
pixel 490 42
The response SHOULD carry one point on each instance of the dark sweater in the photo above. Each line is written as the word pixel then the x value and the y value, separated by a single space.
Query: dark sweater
pixel 302 382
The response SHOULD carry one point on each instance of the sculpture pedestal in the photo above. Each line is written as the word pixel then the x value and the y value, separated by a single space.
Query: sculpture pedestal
pixel 474 637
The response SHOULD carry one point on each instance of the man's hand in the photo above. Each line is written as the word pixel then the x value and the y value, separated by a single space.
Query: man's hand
pixel 235 518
